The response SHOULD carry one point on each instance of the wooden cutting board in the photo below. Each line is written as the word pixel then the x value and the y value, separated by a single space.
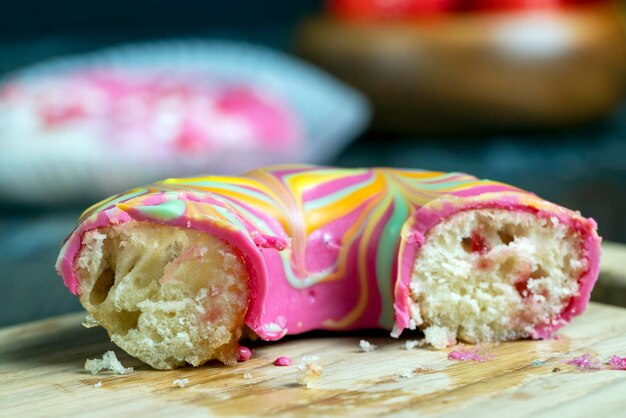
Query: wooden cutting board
pixel 42 374
pixel 611 285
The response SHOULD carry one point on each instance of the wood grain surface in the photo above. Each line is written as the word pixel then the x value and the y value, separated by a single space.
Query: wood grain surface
pixel 42 374
pixel 611 285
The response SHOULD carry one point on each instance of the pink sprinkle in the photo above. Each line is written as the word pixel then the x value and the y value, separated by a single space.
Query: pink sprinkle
pixel 243 353
pixel 617 363
pixel 585 362
pixel 469 355
pixel 282 361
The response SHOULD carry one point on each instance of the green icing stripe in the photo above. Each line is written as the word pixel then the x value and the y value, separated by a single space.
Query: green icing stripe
pixel 166 211
pixel 254 220
pixel 228 215
pixel 302 283
pixel 445 186
pixel 384 257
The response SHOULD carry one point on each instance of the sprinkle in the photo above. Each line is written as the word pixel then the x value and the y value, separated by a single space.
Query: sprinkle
pixel 617 363
pixel 109 362
pixel 310 370
pixel 181 383
pixel 243 353
pixel 247 375
pixel 282 361
pixel 555 370
pixel 469 355
pixel 585 362
pixel 97 385
pixel 536 363
pixel 366 346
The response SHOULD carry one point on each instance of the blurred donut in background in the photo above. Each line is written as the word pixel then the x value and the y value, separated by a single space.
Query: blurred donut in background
pixel 79 128
pixel 446 67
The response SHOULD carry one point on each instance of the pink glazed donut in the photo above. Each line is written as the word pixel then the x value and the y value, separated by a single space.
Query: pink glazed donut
pixel 178 272
pixel 100 130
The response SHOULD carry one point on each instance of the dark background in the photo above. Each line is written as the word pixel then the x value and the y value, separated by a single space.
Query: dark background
pixel 582 167
pixel 33 17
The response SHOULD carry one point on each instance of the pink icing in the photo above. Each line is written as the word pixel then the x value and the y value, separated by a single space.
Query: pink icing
pixel 318 280
pixel 590 362
pixel 617 363
pixel 469 355
pixel 282 361
pixel 243 353
pixel 185 110
pixel 586 362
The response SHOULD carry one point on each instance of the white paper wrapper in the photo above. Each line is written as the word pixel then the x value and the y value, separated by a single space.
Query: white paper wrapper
pixel 81 168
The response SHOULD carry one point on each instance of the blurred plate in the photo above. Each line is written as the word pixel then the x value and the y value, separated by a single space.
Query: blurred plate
pixel 328 114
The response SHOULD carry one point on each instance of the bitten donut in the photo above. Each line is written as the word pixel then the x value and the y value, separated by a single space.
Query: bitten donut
pixel 179 271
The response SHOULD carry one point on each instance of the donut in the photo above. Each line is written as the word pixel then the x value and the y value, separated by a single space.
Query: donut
pixel 155 121
pixel 454 67
pixel 182 270
pixel 145 111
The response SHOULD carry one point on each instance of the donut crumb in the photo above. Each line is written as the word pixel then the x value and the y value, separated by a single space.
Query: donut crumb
pixel 181 383
pixel 108 362
pixel 366 346
pixel 310 371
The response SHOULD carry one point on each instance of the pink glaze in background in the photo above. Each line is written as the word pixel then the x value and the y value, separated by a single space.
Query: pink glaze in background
pixel 327 248
pixel 151 111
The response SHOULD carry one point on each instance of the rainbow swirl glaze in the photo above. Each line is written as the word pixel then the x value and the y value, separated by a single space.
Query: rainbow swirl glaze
pixel 326 248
